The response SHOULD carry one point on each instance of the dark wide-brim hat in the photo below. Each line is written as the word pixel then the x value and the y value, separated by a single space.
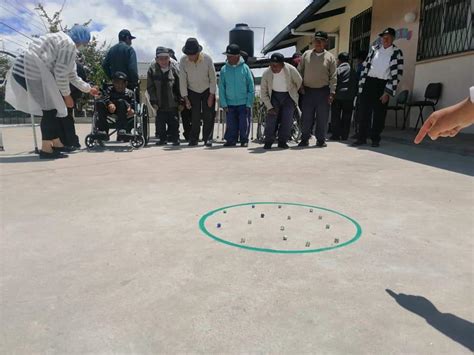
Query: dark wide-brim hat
pixel 387 31
pixel 192 46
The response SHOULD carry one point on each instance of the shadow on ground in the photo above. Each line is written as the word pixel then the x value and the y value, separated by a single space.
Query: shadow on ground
pixel 458 329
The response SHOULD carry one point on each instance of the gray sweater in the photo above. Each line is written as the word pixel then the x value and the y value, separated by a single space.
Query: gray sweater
pixel 198 76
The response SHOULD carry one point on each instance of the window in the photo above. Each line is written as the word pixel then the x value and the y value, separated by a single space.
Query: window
pixel 360 32
pixel 445 28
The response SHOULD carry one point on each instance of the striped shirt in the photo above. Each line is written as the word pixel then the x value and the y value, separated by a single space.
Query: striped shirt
pixel 58 52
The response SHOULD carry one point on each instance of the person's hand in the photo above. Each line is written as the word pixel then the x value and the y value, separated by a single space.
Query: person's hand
pixel 448 121
pixel 273 111
pixel 130 112
pixel 187 103
pixel 155 107
pixel 248 110
pixel 94 91
pixel 331 98
pixel 210 100
pixel 301 90
pixel 226 109
pixel 384 98
pixel 69 101
pixel 111 108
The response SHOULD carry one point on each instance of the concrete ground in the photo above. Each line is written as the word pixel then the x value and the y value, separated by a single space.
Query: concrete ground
pixel 102 252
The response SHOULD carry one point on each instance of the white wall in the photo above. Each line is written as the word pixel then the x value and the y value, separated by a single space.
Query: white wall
pixel 455 73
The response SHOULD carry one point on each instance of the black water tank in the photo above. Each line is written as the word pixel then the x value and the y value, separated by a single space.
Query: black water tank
pixel 243 36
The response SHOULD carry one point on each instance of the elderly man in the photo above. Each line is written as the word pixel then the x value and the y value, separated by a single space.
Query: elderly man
pixel 236 95
pixel 382 72
pixel 163 89
pixel 318 69
pixel 197 82
pixel 342 106
pixel 279 93
pixel 122 58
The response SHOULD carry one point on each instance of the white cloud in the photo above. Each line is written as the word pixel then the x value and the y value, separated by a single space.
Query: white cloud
pixel 170 22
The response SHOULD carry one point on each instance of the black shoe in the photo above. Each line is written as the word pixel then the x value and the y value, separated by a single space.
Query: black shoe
pixel 375 144
pixel 244 144
pixel 343 139
pixel 192 143
pixel 321 144
pixel 208 144
pixel 283 145
pixel 355 136
pixel 53 155
pixel 229 144
pixel 160 142
pixel 176 143
pixel 359 143
pixel 303 143
pixel 334 138
pixel 267 146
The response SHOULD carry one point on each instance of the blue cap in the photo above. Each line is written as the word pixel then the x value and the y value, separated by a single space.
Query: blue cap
pixel 79 34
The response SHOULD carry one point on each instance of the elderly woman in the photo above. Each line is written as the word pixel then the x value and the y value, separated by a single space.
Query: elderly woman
pixel 38 83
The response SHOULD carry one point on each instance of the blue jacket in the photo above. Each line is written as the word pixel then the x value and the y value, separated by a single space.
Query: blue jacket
pixel 121 57
pixel 236 86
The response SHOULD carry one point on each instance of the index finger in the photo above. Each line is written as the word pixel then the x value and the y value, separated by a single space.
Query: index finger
pixel 424 130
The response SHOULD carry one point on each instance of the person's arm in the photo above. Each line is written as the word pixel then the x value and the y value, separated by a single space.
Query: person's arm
pixel 222 92
pixel 265 92
pixel 301 65
pixel 296 77
pixel 151 87
pixel 212 77
pixel 332 72
pixel 106 66
pixel 448 121
pixel 64 65
pixel 183 79
pixel 250 88
pixel 77 82
pixel 396 73
pixel 132 66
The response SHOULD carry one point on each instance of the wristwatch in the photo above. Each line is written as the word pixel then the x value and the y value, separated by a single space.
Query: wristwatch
pixel 471 90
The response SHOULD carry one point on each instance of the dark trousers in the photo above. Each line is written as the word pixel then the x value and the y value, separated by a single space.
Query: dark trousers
pixel 371 109
pixel 341 114
pixel 237 124
pixel 186 121
pixel 68 134
pixel 167 125
pixel 200 111
pixel 50 128
pixel 315 102
pixel 283 120
pixel 121 112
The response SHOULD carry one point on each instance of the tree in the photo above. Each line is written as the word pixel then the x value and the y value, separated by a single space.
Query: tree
pixel 91 56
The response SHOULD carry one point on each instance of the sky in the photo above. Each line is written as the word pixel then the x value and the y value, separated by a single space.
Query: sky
pixel 155 23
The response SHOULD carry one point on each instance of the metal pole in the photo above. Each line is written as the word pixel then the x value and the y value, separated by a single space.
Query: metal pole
pixel 34 133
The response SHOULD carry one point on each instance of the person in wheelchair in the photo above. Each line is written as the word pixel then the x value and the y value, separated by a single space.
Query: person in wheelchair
pixel 119 101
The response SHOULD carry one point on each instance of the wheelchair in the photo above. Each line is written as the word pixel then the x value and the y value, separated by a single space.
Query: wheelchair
pixel 262 115
pixel 138 125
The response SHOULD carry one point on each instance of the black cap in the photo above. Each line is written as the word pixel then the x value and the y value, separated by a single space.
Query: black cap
pixel 120 75
pixel 388 31
pixel 277 58
pixel 343 57
pixel 321 35
pixel 124 34
pixel 162 52
pixel 232 49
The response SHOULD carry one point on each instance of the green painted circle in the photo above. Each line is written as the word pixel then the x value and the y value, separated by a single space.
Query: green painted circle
pixel 203 228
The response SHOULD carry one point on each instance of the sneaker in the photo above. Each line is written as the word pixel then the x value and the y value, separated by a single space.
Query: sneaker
pixel 321 144
pixel 229 144
pixel 267 146
pixel 160 142
pixel 375 144
pixel 208 144
pixel 303 143
pixel 244 144
pixel 53 155
pixel 176 143
pixel 358 143
pixel 283 145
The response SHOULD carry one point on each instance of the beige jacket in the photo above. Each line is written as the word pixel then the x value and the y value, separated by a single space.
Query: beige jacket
pixel 293 80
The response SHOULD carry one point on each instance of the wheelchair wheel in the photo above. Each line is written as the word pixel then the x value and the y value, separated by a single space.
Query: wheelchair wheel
pixel 146 124
pixel 91 142
pixel 137 142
